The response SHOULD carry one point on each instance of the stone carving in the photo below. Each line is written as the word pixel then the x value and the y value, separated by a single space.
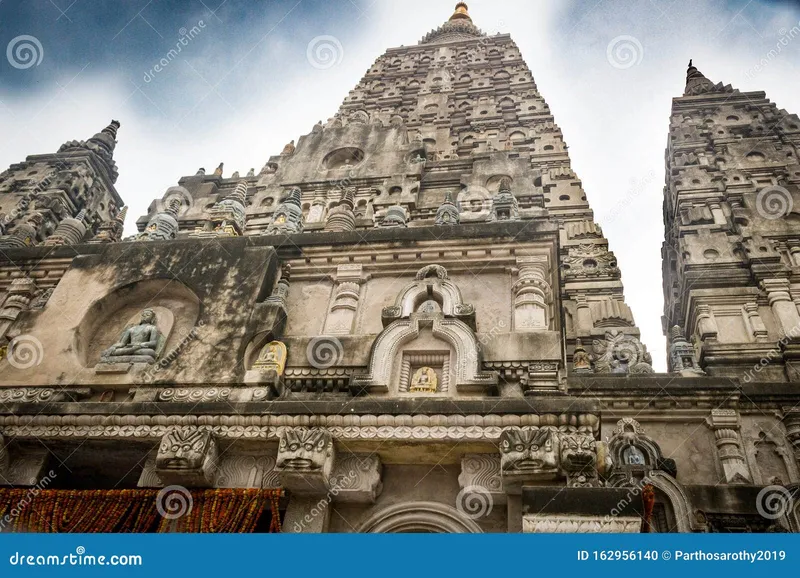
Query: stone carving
pixel 725 424
pixel 481 473
pixel 70 231
pixel 288 150
pixel 575 524
pixel 27 467
pixel 396 216
pixel 187 456
pixel 227 218
pixel 578 453
pixel 532 294
pixel 342 217
pixel 247 471
pixel 448 212
pixel 39 394
pixel 111 231
pixel 305 460
pixel 195 394
pixel 218 170
pixel 681 355
pixel 288 217
pixel 140 343
pixel 621 353
pixel 164 225
pixel 581 362
pixel 424 381
pixel 356 478
pixel 529 454
pixel 634 455
pixel 271 358
pixel 504 204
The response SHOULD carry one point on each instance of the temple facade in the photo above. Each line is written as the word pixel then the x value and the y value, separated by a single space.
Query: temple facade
pixel 409 321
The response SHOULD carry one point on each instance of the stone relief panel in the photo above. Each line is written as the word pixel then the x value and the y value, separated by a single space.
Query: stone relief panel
pixel 111 327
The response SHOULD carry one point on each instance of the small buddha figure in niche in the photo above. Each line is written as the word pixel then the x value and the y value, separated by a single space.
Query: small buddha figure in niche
pixel 633 456
pixel 271 357
pixel 424 380
pixel 138 344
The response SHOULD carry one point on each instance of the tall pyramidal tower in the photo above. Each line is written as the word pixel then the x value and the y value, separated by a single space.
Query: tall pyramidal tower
pixel 407 320
pixel 732 239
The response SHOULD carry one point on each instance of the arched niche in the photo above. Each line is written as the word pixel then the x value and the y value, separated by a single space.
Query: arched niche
pixel 428 328
pixel 176 306
pixel 419 517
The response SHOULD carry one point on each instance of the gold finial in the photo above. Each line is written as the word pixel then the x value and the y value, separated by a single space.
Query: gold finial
pixel 461 11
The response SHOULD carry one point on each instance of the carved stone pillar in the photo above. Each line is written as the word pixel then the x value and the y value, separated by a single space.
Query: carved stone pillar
pixel 19 296
pixel 584 323
pixel 718 214
pixel 757 327
pixel 725 424
pixel 316 213
pixel 187 456
pixel 532 294
pixel 707 328
pixel 783 308
pixel 344 307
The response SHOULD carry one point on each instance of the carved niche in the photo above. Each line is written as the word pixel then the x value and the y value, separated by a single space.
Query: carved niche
pixel 305 460
pixel 187 456
pixel 428 343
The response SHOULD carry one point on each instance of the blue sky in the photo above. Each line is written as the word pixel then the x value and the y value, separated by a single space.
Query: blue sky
pixel 243 86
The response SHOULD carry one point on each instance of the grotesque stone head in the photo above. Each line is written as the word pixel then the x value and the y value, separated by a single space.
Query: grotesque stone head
pixel 578 452
pixel 303 449
pixel 529 453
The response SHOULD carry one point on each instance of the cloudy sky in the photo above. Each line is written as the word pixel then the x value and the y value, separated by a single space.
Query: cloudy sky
pixel 243 85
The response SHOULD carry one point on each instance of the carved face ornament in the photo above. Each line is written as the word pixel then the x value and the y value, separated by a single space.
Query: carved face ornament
pixel 303 450
pixel 528 451
pixel 181 451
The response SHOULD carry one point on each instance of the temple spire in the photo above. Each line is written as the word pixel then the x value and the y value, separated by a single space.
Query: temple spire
pixel 462 12
pixel 697 83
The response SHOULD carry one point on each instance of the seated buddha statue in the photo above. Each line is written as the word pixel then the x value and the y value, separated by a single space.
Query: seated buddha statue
pixel 138 343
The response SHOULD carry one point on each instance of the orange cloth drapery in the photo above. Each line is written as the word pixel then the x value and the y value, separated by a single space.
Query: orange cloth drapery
pixel 104 511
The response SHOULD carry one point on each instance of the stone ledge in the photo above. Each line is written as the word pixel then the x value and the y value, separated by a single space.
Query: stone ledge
pixel 445 406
